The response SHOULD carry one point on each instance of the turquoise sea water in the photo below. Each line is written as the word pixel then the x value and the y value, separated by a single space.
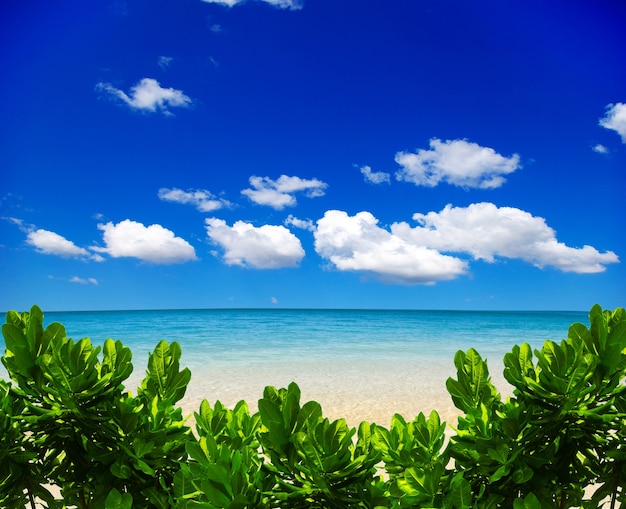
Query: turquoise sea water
pixel 238 336
pixel 355 354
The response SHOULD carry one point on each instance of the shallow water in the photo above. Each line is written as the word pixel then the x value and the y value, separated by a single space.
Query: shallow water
pixel 359 364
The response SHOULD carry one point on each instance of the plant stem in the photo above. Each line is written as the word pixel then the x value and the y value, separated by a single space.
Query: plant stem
pixel 614 497
pixel 81 498
pixel 31 498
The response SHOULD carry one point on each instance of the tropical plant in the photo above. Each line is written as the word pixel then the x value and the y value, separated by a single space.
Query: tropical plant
pixel 562 431
pixel 69 423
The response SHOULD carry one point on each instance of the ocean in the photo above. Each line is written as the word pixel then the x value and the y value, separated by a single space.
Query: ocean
pixel 359 364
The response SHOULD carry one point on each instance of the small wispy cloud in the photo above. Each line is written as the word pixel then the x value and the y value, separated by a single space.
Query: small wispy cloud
pixel 203 200
pixel 281 4
pixel 84 281
pixel 375 177
pixel 303 224
pixel 148 96
pixel 600 149
pixel 165 62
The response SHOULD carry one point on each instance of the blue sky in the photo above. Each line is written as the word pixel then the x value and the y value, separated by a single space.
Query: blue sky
pixel 319 153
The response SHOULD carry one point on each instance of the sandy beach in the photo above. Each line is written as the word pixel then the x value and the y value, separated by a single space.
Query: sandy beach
pixel 371 393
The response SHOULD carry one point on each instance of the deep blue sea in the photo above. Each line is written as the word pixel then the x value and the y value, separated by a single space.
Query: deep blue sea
pixel 234 353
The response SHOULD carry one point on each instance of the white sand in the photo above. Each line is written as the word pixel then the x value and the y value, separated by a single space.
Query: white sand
pixel 372 393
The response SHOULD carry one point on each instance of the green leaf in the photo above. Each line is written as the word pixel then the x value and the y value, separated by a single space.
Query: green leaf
pixel 121 470
pixel 460 492
pixel 218 488
pixel 530 501
pixel 116 500
pixel 158 366
pixel 183 485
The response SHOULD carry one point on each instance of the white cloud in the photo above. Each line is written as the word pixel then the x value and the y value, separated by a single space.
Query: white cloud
pixel 279 194
pixel 303 224
pixel 51 243
pixel 282 4
pixel 600 149
pixel 148 95
pixel 457 162
pixel 203 200
pixel 153 243
pixel 485 232
pixel 615 119
pixel 84 281
pixel 357 243
pixel 375 177
pixel 415 255
pixel 263 247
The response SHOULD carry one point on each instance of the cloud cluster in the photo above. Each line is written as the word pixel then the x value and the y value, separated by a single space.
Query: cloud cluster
pixel 457 162
pixel 202 199
pixel 263 247
pixel 421 254
pixel 154 244
pixel 282 4
pixel 615 119
pixel 148 95
pixel 279 194
pixel 437 246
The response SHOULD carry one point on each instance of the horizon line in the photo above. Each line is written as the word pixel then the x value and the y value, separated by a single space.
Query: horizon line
pixel 278 308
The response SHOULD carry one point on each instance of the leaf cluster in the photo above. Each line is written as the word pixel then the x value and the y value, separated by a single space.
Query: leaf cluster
pixel 69 423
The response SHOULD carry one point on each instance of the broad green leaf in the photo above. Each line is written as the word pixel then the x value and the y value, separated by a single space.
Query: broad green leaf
pixel 308 451
pixel 19 359
pixel 291 408
pixel 579 333
pixel 530 501
pixel 599 327
pixel 415 483
pixel 220 480
pixel 117 500
pixel 54 333
pixel 460 492
pixel 158 366
pixel 270 412
pixel 184 487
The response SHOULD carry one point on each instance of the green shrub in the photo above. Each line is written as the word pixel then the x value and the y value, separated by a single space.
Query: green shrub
pixel 66 421
pixel 75 428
